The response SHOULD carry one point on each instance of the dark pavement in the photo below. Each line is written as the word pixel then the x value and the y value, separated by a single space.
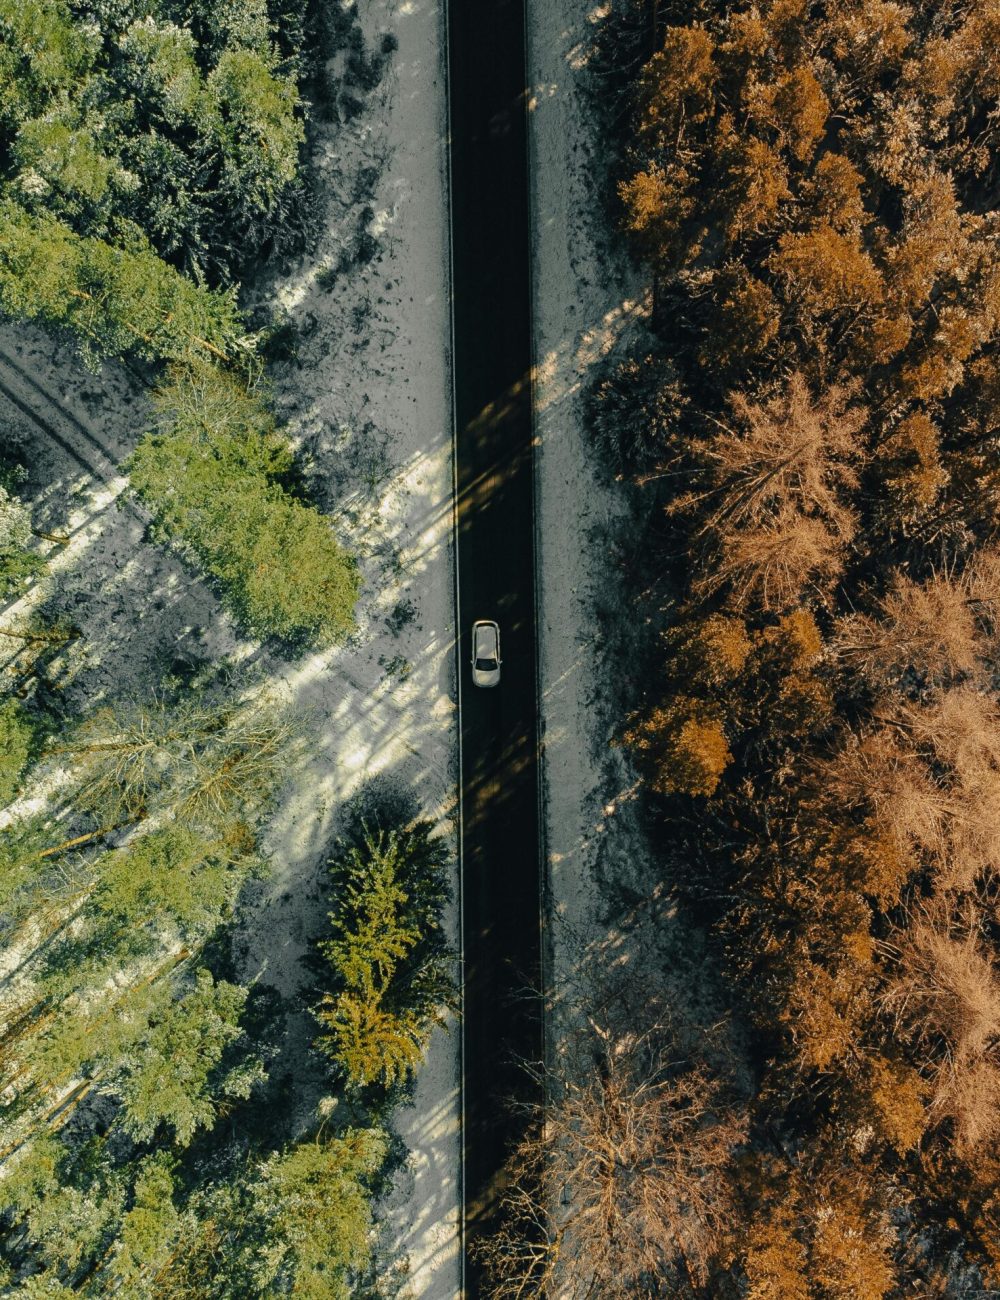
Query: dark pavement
pixel 492 360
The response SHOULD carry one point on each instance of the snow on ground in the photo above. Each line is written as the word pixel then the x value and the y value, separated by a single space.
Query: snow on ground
pixel 139 608
pixel 367 396
pixel 615 935
pixel 586 299
pixel 371 404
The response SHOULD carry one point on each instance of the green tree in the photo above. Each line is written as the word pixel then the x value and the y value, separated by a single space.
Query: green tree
pixel 42 52
pixel 171 884
pixel 215 476
pixel 185 128
pixel 105 933
pixel 17 742
pixel 151 1228
pixel 388 956
pixel 175 1076
pixel 64 1201
pixel 150 158
pixel 316 1198
pixel 18 563
pixel 256 130
pixel 116 302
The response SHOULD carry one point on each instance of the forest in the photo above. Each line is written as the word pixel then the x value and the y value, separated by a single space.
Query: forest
pixel 154 1138
pixel 810 424
pixel 149 157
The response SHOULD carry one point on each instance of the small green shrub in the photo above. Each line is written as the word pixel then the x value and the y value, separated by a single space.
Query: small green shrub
pixel 17 742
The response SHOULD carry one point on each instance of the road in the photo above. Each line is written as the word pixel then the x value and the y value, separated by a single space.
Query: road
pixel 493 428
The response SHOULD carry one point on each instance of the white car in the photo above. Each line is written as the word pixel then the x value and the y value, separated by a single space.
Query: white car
pixel 486 659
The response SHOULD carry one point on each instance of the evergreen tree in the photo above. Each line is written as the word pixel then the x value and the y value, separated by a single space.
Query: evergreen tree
pixel 176 1075
pixel 387 954
pixel 114 301
pixel 17 742
pixel 18 563
pixel 216 475
pixel 149 157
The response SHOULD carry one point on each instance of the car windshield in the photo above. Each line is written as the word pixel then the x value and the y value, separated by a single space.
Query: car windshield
pixel 483 664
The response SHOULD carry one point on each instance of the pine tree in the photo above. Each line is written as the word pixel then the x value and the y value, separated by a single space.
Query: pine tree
pixel 116 302
pixel 175 1075
pixel 388 957
pixel 215 477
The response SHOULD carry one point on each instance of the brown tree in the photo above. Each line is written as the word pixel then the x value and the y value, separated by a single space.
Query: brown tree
pixel 683 746
pixel 826 274
pixel 825 1233
pixel 755 183
pixel 676 86
pixel 777 514
pixel 795 107
pixel 876 801
pixel 959 734
pixel 746 320
pixel 943 993
pixel 912 476
pixel 850 1256
pixel 622 1189
pixel 657 202
pixel 776 1262
pixel 831 254
pixel 927 629
pixel 835 193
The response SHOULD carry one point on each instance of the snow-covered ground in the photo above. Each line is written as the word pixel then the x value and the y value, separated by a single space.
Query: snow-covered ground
pixel 373 405
pixel 586 297
pixel 367 396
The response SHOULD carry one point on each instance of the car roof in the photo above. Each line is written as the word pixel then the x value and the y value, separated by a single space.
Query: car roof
pixel 486 634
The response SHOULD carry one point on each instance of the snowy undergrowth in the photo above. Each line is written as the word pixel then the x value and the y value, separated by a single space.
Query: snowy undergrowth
pixel 609 912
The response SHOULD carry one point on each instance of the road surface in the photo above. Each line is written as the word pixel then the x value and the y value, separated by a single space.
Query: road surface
pixel 493 429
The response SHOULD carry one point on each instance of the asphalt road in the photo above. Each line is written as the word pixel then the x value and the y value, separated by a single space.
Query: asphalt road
pixel 493 430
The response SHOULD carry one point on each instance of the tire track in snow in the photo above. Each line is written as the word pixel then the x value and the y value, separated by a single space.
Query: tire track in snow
pixel 72 435
pixel 12 375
